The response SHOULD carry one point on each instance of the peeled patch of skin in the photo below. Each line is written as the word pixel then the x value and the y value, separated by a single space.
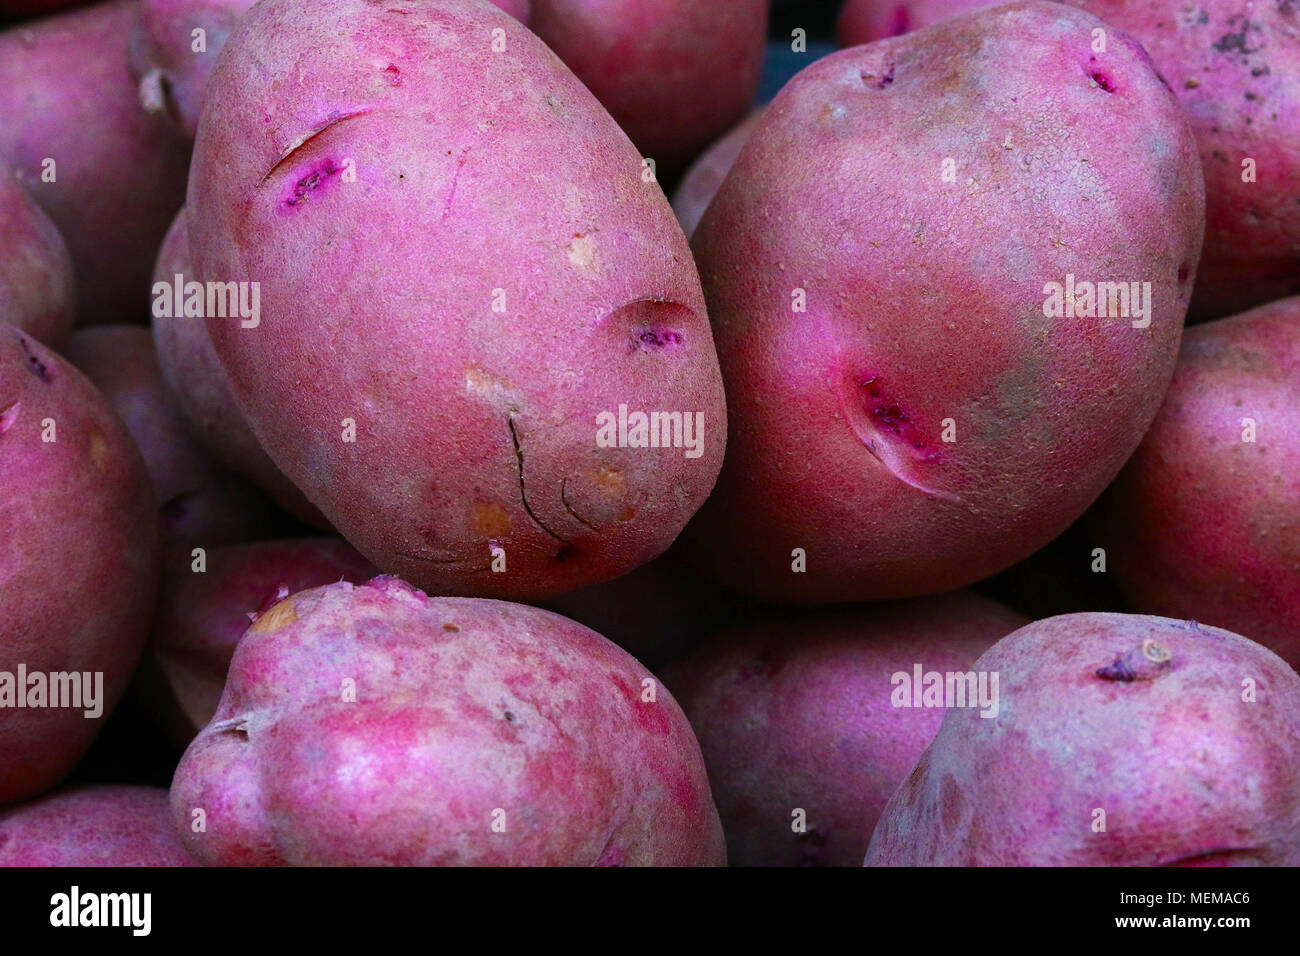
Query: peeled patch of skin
pixel 345 148
pixel 1204 521
pixel 199 504
pixel 1122 740
pixel 78 557
pixel 37 289
pixel 118 177
pixel 649 62
pixel 700 183
pixel 793 711
pixel 92 826
pixel 202 615
pixel 202 391
pixel 481 733
pixel 865 21
pixel 890 363
pixel 1236 68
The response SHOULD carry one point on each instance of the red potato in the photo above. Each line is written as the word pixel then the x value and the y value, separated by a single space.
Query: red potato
pixel 1236 68
pixel 1120 740
pixel 794 712
pixel 117 178
pixel 910 411
pixel 1204 521
pixel 38 292
pixel 461 447
pixel 92 826
pixel 865 21
pixel 676 74
pixel 374 725
pixel 202 391
pixel 700 183
pixel 78 563
pixel 199 503
pixel 202 616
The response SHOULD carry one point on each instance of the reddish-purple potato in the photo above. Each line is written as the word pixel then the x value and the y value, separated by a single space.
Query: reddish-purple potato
pixel 700 183
pixel 38 292
pixel 1120 740
pixel 92 826
pixel 78 563
pixel 796 716
pixel 374 725
pixel 107 174
pixel 1204 521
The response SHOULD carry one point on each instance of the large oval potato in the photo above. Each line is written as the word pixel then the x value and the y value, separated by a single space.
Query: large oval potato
pixel 801 722
pixel 887 265
pixel 1204 521
pixel 374 725
pixel 108 175
pixel 1119 740
pixel 465 280
pixel 78 563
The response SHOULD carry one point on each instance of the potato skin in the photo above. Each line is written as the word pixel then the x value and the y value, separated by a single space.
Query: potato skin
pixel 202 616
pixel 38 292
pixel 202 391
pixel 1236 68
pixel 700 183
pixel 647 61
pixel 1187 771
pixel 463 707
pixel 865 21
pixel 844 408
pixel 792 710
pixel 474 428
pixel 1202 523
pixel 199 503
pixel 78 558
pixel 119 176
pixel 92 826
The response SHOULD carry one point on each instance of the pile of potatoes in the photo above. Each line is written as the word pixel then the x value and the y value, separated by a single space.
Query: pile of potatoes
pixel 369 420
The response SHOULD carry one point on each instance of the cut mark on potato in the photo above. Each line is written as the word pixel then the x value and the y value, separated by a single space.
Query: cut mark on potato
pixel 334 119
pixel 523 489
pixel 9 415
pixel 33 362
pixel 564 499
pixel 231 725
pixel 887 431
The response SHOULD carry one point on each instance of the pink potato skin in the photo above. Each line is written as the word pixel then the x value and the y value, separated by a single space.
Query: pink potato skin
pixel 792 710
pixel 865 21
pixel 92 826
pixel 700 183
pixel 1201 523
pixel 202 391
pixel 119 177
pixel 38 291
pixel 1186 771
pixel 78 557
pixel 464 709
pixel 173 77
pixel 676 74
pixel 476 430
pixel 1236 68
pixel 199 504
pixel 201 617
pixel 924 311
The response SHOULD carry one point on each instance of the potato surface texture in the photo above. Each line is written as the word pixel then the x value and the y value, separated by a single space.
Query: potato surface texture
pixel 477 733
pixel 462 264
pixel 909 409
